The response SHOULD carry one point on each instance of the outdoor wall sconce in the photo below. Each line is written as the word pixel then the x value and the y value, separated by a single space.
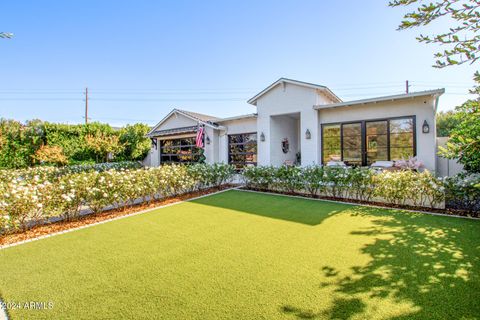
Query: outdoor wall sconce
pixel 207 140
pixel 154 143
pixel 262 137
pixel 308 135
pixel 425 127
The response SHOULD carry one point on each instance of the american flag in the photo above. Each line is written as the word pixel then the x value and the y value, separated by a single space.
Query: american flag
pixel 199 138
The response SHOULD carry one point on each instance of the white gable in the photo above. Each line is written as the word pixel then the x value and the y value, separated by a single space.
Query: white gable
pixel 176 120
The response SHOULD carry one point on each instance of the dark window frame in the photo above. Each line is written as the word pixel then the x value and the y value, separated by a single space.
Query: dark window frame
pixel 244 163
pixel 364 135
pixel 191 147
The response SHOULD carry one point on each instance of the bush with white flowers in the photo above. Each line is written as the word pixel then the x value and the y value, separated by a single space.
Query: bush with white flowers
pixel 29 195
pixel 402 187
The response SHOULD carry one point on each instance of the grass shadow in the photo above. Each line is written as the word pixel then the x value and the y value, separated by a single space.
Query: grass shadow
pixel 305 211
pixel 428 262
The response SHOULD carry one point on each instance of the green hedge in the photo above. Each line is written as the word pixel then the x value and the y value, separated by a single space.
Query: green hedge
pixel 398 187
pixel 19 142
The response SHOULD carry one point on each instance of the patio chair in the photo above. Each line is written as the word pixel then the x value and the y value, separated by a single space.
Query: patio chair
pixel 336 164
pixel 383 165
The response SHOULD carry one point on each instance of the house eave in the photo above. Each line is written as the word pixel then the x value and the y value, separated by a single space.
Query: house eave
pixel 435 93
pixel 253 100
pixel 245 116
pixel 206 123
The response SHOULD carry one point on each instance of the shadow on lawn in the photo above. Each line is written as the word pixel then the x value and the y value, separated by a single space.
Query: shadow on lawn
pixel 305 211
pixel 429 263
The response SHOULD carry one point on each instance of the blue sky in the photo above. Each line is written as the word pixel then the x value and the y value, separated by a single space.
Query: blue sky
pixel 140 59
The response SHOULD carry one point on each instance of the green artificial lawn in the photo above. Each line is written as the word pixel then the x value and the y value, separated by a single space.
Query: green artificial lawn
pixel 243 255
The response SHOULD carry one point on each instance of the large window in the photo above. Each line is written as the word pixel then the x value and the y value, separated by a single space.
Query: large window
pixel 242 149
pixel 364 142
pixel 179 150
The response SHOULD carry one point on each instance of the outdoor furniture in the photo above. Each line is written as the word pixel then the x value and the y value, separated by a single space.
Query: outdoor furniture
pixel 383 166
pixel 336 164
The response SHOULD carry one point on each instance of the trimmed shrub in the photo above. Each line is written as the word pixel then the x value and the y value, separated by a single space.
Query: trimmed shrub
pixel 313 180
pixel 32 194
pixel 288 179
pixel 463 192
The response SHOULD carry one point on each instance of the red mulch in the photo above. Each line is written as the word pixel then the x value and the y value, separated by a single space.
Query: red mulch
pixel 54 227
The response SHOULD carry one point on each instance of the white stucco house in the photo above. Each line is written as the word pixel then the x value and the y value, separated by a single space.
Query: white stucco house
pixel 304 123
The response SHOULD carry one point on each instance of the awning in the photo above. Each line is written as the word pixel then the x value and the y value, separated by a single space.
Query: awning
pixel 169 132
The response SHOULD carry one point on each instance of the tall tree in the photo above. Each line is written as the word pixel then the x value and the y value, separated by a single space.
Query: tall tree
pixel 462 38
pixel 446 122
pixel 463 46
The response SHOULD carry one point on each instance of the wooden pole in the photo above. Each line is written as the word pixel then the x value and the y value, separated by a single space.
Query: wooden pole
pixel 406 86
pixel 86 106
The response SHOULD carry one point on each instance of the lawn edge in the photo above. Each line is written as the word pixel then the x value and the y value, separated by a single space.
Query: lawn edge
pixel 358 204
pixel 107 220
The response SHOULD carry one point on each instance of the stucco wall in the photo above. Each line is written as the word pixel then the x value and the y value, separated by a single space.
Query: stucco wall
pixel 211 150
pixel 282 127
pixel 177 121
pixel 285 99
pixel 421 107
pixel 446 167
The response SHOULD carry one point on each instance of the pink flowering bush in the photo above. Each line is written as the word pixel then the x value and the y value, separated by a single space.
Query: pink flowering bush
pixel 411 163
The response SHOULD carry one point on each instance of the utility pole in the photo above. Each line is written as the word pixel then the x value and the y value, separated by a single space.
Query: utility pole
pixel 407 86
pixel 86 106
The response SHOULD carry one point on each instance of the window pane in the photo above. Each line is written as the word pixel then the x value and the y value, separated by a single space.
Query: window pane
pixel 179 150
pixel 376 140
pixel 400 153
pixel 352 143
pixel 401 138
pixel 331 143
pixel 401 125
pixel 377 127
pixel 242 149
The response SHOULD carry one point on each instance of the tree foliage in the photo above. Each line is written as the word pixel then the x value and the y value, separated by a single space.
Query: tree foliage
pixel 462 38
pixel 50 155
pixel 446 122
pixel 37 142
pixel 104 146
pixel 463 46
pixel 464 142
pixel 133 137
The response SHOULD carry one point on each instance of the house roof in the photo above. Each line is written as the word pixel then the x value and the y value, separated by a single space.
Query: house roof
pixel 244 116
pixel 167 132
pixel 324 89
pixel 436 92
pixel 198 117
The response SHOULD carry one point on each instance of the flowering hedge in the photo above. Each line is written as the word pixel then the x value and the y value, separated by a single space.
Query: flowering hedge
pixel 32 194
pixel 404 187
pixel 463 192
